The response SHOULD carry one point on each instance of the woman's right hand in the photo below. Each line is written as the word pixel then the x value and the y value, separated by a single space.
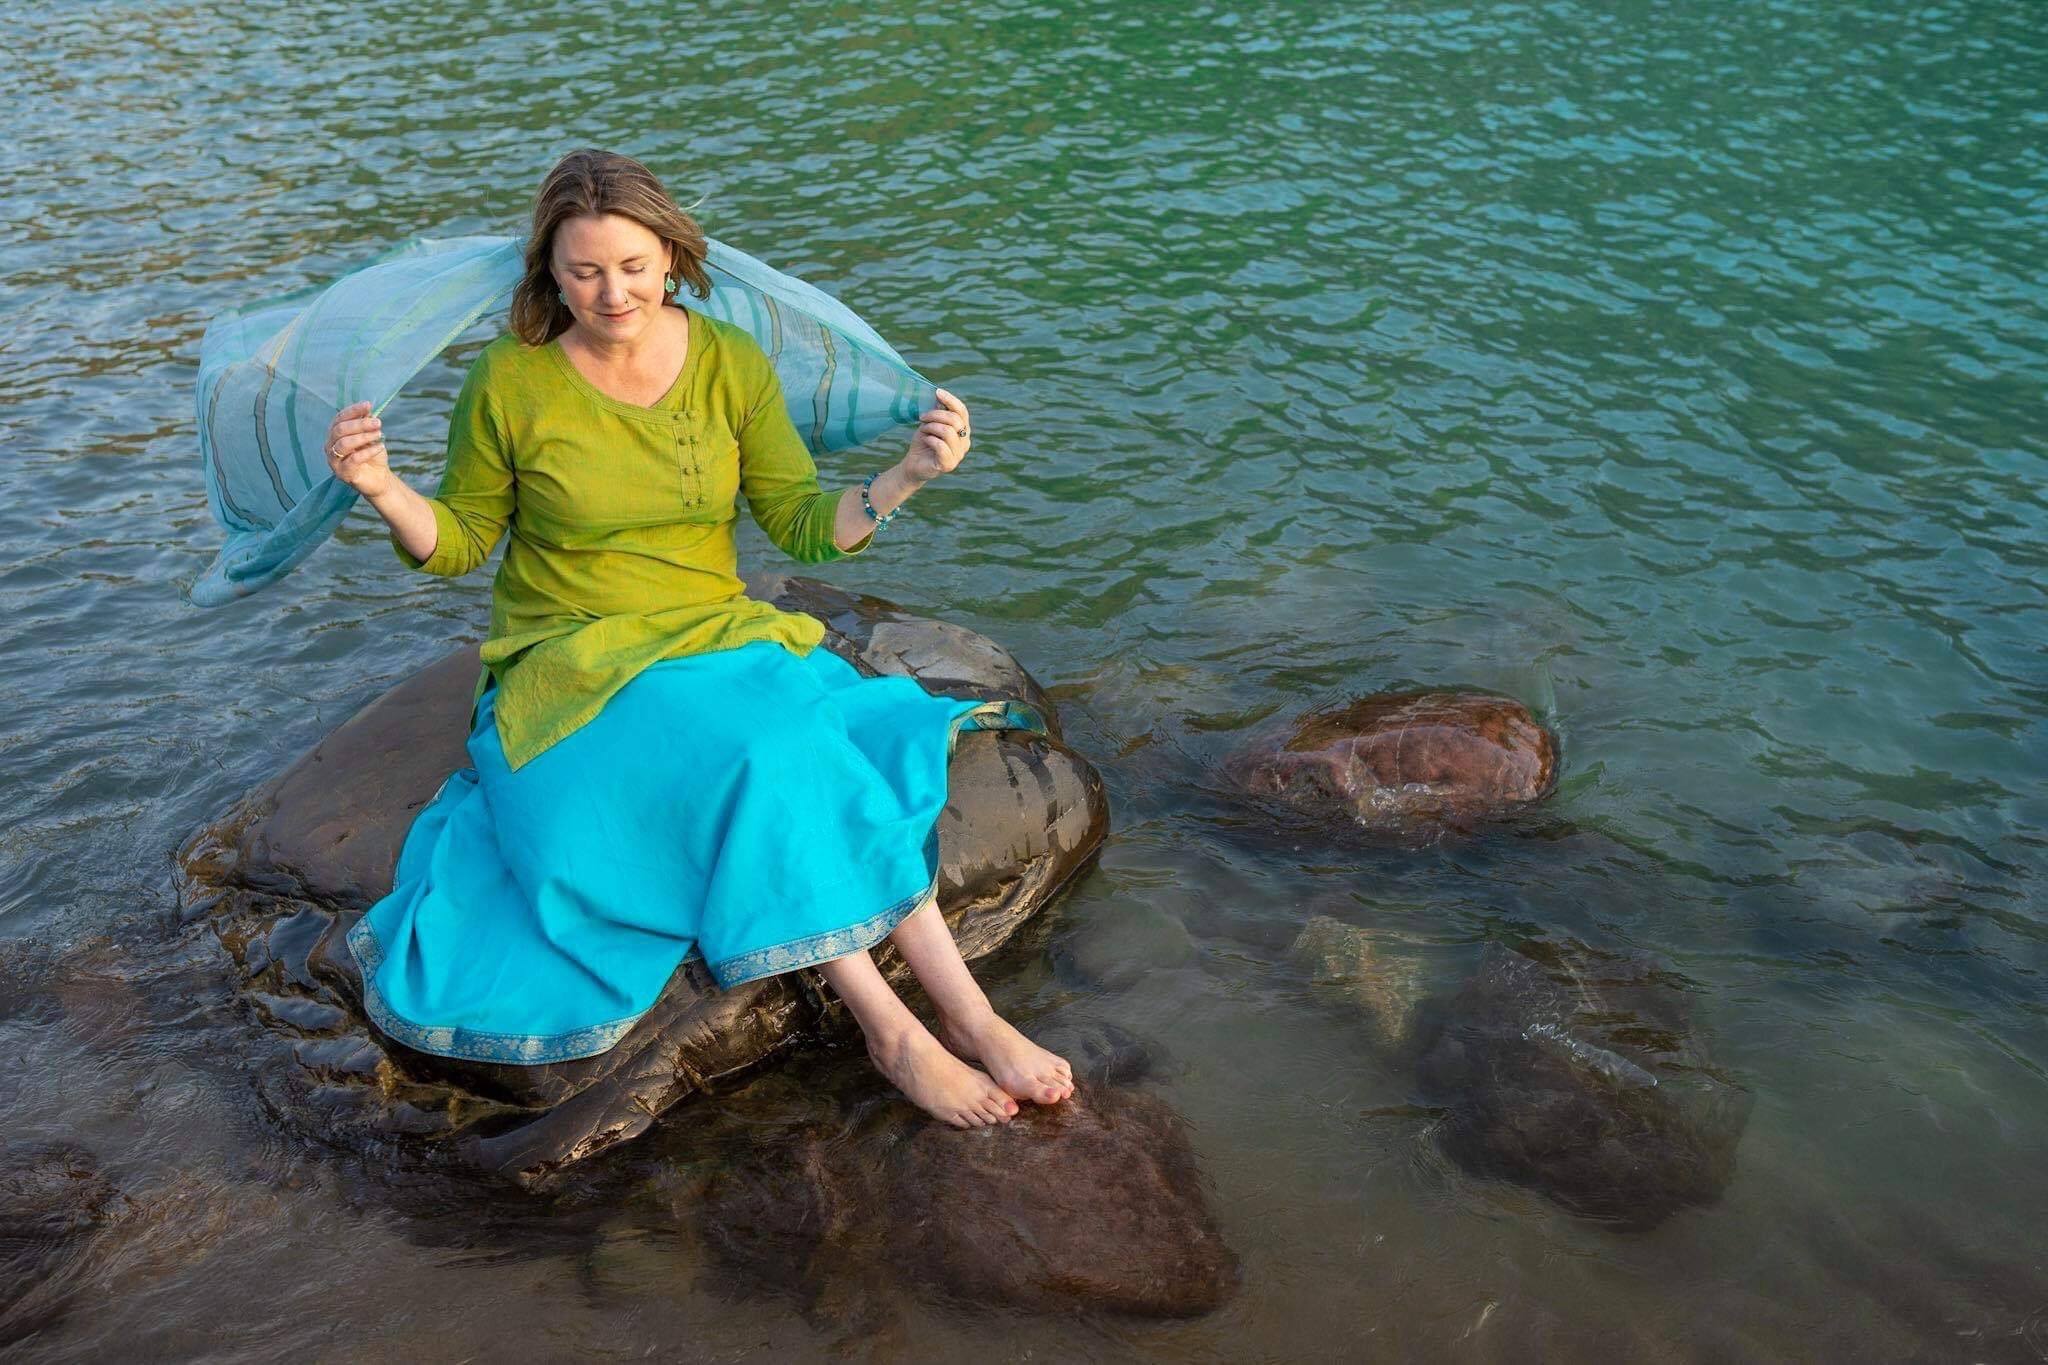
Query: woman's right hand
pixel 355 450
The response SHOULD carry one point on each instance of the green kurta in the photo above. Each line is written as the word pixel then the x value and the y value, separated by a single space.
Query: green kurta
pixel 622 519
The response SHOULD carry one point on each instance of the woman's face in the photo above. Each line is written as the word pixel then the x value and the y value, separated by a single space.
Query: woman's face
pixel 609 270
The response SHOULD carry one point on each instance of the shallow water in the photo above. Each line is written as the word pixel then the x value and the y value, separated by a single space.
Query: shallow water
pixel 1679 372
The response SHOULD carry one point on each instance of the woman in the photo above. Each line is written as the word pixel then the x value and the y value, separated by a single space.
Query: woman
pixel 659 763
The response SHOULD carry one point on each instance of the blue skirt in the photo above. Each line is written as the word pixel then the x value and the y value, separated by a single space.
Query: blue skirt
pixel 765 809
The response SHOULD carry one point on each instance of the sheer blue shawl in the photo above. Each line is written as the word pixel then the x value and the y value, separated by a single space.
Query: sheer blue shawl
pixel 271 379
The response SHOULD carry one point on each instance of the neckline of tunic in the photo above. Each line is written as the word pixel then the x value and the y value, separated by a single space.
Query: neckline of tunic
pixel 662 407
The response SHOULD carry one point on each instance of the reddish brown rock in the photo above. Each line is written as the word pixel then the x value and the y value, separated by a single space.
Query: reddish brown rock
pixel 1097 1203
pixel 1403 758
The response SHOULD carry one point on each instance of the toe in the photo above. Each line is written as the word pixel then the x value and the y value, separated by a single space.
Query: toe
pixel 995 1103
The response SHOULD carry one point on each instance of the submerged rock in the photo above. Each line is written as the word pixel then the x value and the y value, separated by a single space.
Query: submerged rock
pixel 1398 760
pixel 49 1193
pixel 1382 983
pixel 1578 1073
pixel 1093 1203
pixel 53 1200
pixel 1096 1203
pixel 283 878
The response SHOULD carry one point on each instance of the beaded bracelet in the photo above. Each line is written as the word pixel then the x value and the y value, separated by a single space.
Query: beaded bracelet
pixel 869 507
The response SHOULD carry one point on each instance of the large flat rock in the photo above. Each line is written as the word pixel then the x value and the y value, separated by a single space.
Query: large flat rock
pixel 286 873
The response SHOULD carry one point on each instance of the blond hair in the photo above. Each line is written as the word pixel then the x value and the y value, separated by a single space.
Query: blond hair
pixel 586 183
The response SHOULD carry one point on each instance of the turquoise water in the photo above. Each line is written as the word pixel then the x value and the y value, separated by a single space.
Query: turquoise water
pixel 1679 372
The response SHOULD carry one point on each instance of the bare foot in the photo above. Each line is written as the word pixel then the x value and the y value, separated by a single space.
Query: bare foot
pixel 939 1083
pixel 1020 1066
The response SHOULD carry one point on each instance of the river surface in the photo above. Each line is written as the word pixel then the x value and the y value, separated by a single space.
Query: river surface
pixel 1679 370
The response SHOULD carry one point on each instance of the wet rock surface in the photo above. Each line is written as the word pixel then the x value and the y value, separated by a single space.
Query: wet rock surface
pixel 286 874
pixel 1578 1073
pixel 1403 761
pixel 1093 1204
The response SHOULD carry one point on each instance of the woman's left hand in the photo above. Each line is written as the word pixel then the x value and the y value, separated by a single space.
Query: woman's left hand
pixel 941 440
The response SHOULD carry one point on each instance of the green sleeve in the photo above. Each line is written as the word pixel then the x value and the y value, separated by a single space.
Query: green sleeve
pixel 780 480
pixel 473 505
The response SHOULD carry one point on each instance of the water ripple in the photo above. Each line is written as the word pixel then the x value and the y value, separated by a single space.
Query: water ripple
pixel 1676 370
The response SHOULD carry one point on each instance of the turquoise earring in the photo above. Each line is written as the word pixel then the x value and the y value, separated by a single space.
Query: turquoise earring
pixel 668 284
